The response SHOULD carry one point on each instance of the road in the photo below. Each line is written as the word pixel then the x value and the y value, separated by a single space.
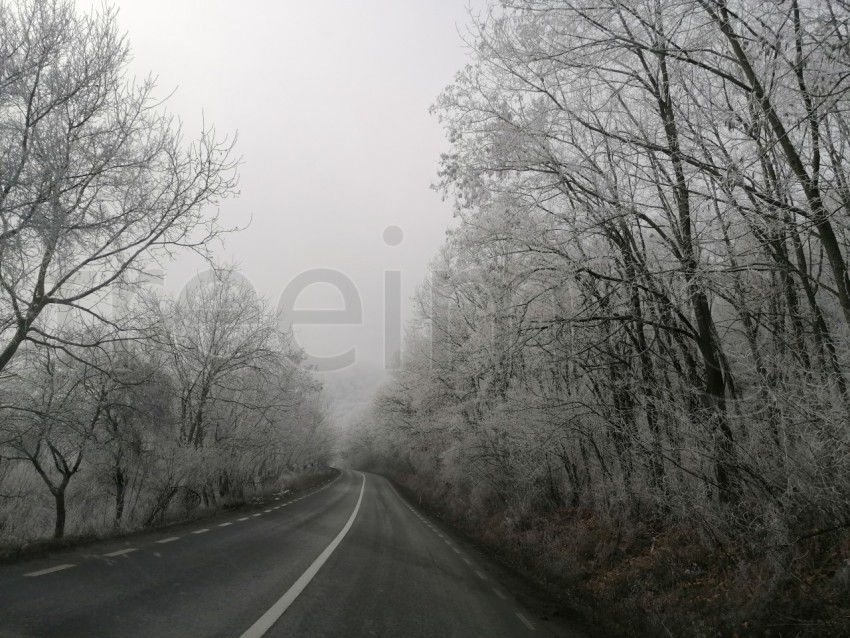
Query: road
pixel 350 558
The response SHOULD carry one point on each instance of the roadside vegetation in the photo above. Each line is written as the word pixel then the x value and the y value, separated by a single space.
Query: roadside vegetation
pixel 628 369
pixel 120 407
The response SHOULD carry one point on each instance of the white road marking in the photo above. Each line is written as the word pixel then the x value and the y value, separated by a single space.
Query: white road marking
pixel 224 524
pixel 500 594
pixel 168 540
pixel 455 550
pixel 267 511
pixel 525 621
pixel 201 531
pixel 467 561
pixel 244 518
pixel 277 610
pixel 121 552
pixel 257 514
pixel 481 575
pixel 49 570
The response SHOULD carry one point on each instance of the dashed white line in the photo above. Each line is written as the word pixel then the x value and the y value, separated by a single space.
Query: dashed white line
pixel 266 511
pixel 201 531
pixel 500 594
pixel 525 621
pixel 467 561
pixel 481 575
pixel 244 518
pixel 49 570
pixel 224 524
pixel 257 514
pixel 168 540
pixel 121 552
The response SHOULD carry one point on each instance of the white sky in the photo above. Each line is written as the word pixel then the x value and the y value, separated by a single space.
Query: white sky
pixel 330 100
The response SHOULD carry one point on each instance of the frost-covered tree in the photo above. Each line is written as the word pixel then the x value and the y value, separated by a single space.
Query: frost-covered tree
pixel 95 177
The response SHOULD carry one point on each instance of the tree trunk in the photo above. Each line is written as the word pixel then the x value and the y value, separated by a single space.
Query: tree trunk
pixel 59 498
pixel 120 490
pixel 14 343
pixel 710 349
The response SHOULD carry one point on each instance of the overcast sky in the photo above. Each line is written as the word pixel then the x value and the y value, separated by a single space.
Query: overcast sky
pixel 330 100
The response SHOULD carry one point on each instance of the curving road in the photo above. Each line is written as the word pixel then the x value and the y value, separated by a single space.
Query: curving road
pixel 350 558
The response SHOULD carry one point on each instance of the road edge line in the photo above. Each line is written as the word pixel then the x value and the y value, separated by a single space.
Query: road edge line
pixel 277 610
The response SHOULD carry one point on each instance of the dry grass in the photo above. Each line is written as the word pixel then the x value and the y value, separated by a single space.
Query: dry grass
pixel 26 521
pixel 635 577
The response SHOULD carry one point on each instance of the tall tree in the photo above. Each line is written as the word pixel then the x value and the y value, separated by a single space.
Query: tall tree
pixel 95 177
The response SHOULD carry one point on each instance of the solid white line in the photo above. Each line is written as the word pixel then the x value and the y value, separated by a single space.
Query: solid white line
pixel 500 594
pixel 50 570
pixel 224 524
pixel 201 531
pixel 121 552
pixel 525 621
pixel 168 540
pixel 277 610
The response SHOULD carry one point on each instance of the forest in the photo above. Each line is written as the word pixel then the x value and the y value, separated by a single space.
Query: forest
pixel 123 406
pixel 628 369
pixel 627 374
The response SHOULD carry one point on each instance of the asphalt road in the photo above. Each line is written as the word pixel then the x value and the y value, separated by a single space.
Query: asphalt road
pixel 350 558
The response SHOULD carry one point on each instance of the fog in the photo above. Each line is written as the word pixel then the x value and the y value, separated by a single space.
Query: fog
pixel 621 398
pixel 330 102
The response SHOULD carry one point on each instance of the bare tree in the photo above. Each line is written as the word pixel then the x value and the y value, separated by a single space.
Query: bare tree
pixel 50 423
pixel 643 308
pixel 95 178
pixel 219 339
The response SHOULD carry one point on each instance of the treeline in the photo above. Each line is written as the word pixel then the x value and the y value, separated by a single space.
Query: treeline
pixel 209 408
pixel 120 407
pixel 629 366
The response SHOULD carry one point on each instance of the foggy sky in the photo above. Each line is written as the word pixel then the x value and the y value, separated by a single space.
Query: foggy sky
pixel 330 100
